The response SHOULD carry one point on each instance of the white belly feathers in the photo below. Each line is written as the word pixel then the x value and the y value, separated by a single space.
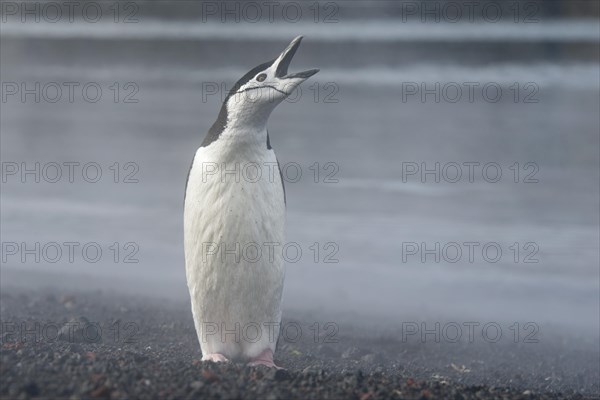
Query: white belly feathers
pixel 234 222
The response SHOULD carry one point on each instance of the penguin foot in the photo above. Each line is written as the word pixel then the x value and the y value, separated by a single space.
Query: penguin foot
pixel 215 357
pixel 265 358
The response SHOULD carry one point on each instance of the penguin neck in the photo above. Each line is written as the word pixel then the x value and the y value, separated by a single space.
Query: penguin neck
pixel 244 123
pixel 247 115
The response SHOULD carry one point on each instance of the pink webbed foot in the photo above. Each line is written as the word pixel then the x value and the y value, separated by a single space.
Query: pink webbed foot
pixel 214 357
pixel 264 358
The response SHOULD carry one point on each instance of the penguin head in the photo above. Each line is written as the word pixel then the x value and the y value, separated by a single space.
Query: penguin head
pixel 258 92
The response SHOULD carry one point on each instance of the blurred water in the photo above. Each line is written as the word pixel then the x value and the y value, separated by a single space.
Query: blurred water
pixel 354 30
pixel 362 124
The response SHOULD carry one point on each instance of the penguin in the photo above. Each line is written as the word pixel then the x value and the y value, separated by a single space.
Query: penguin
pixel 234 221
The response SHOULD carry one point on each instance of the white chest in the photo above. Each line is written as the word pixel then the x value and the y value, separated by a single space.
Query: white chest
pixel 234 223
pixel 234 194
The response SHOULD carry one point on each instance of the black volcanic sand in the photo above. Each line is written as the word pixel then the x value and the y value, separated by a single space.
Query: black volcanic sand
pixel 156 355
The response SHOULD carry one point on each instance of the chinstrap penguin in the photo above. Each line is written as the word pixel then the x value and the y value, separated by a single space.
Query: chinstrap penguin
pixel 236 298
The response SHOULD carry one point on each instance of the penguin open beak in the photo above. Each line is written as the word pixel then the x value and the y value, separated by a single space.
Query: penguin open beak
pixel 285 58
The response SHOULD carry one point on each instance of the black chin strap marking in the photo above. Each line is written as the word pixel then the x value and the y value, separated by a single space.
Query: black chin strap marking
pixel 260 87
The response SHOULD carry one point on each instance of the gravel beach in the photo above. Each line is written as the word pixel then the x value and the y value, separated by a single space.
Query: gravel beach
pixel 70 344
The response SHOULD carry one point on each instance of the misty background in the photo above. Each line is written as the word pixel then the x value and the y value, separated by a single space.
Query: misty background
pixel 163 69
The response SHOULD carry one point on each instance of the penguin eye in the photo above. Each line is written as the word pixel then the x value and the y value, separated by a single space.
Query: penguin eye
pixel 261 77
